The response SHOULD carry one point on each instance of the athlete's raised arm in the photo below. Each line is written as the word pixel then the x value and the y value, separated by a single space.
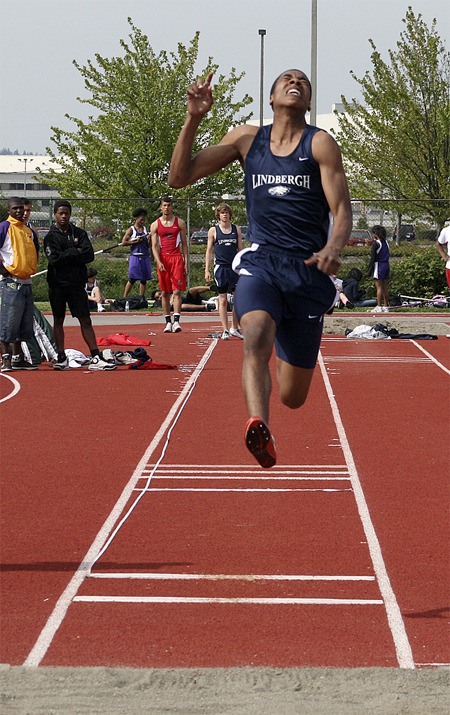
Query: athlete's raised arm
pixel 186 169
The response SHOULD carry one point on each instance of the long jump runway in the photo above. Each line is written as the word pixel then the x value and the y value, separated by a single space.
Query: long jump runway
pixel 137 530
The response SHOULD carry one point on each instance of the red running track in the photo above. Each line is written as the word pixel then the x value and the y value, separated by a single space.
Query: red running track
pixel 137 530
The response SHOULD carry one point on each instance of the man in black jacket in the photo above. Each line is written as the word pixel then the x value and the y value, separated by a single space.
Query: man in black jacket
pixel 68 250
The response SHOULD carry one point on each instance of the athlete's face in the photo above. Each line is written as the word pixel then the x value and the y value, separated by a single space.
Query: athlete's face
pixel 224 216
pixel 166 208
pixel 292 88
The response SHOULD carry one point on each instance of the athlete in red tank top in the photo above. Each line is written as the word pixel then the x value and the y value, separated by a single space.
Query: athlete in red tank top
pixel 168 237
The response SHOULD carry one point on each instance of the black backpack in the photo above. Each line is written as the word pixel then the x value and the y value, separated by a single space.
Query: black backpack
pixel 135 302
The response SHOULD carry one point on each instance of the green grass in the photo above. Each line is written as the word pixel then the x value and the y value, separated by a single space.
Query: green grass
pixel 44 307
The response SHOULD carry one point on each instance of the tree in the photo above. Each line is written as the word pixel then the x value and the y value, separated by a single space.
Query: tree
pixel 140 102
pixel 397 144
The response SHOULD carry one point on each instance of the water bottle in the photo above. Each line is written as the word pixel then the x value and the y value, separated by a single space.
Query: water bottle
pixel 127 306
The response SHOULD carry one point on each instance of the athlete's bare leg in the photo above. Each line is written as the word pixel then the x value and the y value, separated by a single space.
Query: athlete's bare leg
pixel 293 384
pixel 223 310
pixel 128 288
pixel 165 302
pixel 259 334
pixel 87 332
pixel 177 298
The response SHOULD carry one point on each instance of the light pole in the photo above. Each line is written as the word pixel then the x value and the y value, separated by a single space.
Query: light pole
pixel 25 160
pixel 261 80
pixel 313 112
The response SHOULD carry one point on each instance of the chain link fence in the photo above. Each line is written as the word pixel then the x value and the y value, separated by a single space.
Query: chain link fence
pixel 106 220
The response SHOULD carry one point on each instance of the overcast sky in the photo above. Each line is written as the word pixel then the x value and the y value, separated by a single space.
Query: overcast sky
pixel 39 83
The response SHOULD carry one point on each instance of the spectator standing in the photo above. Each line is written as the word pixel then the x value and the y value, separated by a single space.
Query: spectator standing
pixel 139 267
pixel 170 252
pixel 224 242
pixel 443 246
pixel 379 268
pixel 19 251
pixel 68 250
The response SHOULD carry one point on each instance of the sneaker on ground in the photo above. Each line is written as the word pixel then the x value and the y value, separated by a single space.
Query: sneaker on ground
pixel 97 363
pixel 125 358
pixel 168 328
pixel 377 309
pixel 6 363
pixel 109 355
pixel 260 442
pixel 385 309
pixel 61 364
pixel 236 333
pixel 225 335
pixel 176 327
pixel 22 365
pixel 100 308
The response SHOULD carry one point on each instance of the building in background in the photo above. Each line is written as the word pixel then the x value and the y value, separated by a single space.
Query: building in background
pixel 19 177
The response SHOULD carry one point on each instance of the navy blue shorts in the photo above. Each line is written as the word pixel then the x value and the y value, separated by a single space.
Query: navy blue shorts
pixel 381 270
pixel 225 279
pixel 296 296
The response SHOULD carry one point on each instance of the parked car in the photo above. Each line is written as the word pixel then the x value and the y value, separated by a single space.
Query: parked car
pixel 360 237
pixel 199 238
pixel 407 232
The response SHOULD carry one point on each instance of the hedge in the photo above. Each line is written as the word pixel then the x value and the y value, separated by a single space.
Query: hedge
pixel 415 270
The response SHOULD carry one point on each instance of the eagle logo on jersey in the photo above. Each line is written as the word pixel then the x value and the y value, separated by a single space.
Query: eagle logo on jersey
pixel 279 190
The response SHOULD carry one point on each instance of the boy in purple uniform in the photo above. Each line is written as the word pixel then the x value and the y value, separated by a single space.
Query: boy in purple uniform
pixel 139 268
pixel 293 178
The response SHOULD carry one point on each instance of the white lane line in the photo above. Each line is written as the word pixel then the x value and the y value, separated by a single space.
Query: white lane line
pixel 209 478
pixel 258 601
pixel 431 357
pixel 374 358
pixel 266 490
pixel 225 577
pixel 396 624
pixel 58 614
pixel 184 473
pixel 14 391
pixel 248 469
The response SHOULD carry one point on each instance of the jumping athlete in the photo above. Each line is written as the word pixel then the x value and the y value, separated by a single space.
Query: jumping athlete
pixel 224 240
pixel 139 268
pixel 168 236
pixel 294 179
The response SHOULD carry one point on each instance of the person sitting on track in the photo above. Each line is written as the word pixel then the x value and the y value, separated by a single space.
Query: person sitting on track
pixel 95 295
pixel 190 301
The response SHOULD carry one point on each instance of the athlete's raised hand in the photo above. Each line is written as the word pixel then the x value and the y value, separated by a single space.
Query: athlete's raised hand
pixel 199 97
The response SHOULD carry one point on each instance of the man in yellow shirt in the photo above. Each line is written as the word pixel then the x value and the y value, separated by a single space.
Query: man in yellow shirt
pixel 19 250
